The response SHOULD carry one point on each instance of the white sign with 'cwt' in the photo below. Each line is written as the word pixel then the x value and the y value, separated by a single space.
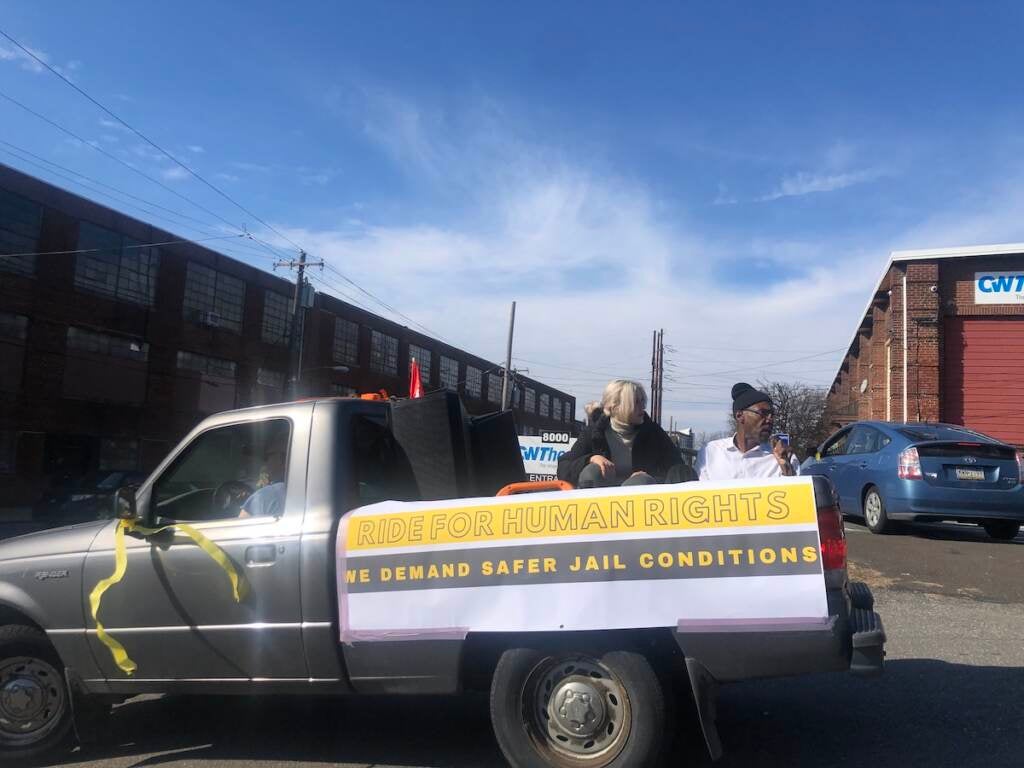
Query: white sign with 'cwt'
pixel 541 453
pixel 998 287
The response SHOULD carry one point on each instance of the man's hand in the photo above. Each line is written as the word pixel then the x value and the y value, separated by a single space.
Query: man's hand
pixel 606 466
pixel 783 455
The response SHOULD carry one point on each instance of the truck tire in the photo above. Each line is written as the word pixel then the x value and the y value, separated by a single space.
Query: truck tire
pixel 35 711
pixel 874 512
pixel 1003 530
pixel 561 709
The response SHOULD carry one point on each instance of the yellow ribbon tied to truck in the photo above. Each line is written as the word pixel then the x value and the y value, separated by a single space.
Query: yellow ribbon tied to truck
pixel 239 586
pixel 687 555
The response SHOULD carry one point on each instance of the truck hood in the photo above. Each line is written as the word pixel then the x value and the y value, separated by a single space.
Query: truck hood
pixel 55 541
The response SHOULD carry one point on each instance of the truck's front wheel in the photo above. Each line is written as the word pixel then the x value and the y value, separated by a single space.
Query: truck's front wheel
pixel 568 709
pixel 35 714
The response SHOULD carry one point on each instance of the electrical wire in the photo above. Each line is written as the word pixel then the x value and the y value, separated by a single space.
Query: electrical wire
pixel 108 250
pixel 118 160
pixel 149 141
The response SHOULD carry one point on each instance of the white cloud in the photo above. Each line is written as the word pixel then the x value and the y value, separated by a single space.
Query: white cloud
pixel 226 177
pixel 724 197
pixel 595 264
pixel 23 60
pixel 251 167
pixel 805 183
pixel 175 173
pixel 112 125
pixel 196 149
pixel 26 61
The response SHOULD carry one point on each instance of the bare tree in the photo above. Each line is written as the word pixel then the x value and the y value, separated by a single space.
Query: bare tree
pixel 700 439
pixel 800 412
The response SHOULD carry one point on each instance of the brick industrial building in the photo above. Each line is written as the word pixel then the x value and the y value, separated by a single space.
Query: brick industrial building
pixel 941 339
pixel 109 356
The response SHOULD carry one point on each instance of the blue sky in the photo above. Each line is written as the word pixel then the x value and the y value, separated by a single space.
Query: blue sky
pixel 734 173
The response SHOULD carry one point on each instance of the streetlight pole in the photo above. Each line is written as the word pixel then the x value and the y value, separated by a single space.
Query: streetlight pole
pixel 506 390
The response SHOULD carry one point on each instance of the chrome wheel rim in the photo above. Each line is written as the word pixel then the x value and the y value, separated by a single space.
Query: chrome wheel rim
pixel 32 700
pixel 873 509
pixel 578 711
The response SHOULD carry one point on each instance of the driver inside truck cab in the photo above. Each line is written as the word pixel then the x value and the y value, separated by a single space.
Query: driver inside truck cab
pixel 270 487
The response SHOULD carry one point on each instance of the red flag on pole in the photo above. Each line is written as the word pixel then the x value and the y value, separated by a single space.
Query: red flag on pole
pixel 415 385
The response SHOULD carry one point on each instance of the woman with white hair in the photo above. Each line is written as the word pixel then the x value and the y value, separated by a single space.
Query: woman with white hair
pixel 621 446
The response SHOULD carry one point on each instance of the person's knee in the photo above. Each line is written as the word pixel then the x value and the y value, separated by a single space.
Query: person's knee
pixel 640 478
pixel 680 473
pixel 590 477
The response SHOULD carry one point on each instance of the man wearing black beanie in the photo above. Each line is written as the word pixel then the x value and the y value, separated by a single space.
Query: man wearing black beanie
pixel 749 452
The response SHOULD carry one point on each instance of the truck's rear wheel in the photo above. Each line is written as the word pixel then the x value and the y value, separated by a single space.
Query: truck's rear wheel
pixel 571 709
pixel 35 713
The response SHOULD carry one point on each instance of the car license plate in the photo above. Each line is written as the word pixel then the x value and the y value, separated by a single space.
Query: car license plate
pixel 963 473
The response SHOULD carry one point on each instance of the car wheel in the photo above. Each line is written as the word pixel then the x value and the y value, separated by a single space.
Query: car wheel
pixel 35 710
pixel 1004 530
pixel 874 512
pixel 571 709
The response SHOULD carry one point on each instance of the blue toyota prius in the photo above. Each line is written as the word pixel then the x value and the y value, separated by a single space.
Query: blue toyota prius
pixel 885 472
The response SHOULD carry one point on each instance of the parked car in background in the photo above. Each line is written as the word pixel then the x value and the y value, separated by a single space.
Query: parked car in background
pixel 89 497
pixel 885 471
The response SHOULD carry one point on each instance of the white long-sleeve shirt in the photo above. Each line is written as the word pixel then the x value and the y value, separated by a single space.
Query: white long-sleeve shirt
pixel 722 460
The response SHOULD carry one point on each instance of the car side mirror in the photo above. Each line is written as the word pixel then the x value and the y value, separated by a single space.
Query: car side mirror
pixel 124 503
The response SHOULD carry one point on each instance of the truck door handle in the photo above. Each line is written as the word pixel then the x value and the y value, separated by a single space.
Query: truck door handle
pixel 863 465
pixel 831 467
pixel 260 555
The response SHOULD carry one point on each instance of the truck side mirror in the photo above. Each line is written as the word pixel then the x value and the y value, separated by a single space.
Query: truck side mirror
pixel 124 503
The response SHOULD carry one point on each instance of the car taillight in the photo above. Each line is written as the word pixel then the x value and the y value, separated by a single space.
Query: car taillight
pixel 910 464
pixel 1020 466
pixel 833 538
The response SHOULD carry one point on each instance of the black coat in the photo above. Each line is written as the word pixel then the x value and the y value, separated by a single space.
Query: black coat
pixel 653 451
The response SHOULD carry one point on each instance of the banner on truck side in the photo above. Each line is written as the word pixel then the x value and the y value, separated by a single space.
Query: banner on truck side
pixel 708 554
pixel 541 453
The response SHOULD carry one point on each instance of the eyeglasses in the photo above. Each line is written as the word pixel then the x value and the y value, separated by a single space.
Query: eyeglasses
pixel 764 413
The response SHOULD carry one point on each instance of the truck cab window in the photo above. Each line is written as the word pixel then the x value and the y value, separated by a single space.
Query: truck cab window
pixel 380 469
pixel 235 471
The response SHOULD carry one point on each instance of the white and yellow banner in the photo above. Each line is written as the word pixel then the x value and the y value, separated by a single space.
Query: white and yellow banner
pixel 700 554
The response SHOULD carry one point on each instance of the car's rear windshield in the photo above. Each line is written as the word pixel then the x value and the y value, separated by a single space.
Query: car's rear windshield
pixel 937 432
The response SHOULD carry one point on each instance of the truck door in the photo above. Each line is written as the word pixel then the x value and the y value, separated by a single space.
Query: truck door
pixel 241 484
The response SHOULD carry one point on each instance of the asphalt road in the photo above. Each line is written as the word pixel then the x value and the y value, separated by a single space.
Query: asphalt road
pixel 952 692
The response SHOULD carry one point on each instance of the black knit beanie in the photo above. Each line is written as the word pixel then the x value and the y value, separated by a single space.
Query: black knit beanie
pixel 744 396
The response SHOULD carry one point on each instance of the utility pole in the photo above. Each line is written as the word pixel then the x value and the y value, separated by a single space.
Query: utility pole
pixel 654 373
pixel 506 380
pixel 661 372
pixel 298 316
pixel 657 374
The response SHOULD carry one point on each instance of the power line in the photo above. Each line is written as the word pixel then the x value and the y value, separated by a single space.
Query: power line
pixel 568 367
pixel 118 160
pixel 258 247
pixel 107 250
pixel 347 297
pixel 150 141
pixel 192 172
pixel 387 306
pixel 771 365
pixel 17 151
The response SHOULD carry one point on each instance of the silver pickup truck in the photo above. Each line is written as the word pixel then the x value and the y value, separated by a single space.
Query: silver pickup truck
pixel 269 487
